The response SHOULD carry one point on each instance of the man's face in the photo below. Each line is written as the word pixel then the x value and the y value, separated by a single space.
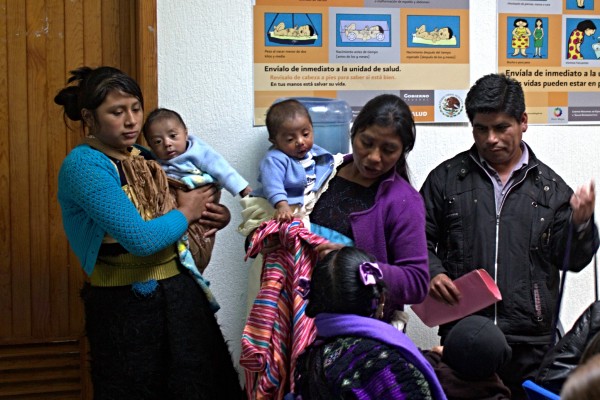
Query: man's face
pixel 498 138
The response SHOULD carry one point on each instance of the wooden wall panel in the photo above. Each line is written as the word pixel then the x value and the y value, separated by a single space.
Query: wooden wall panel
pixel 111 43
pixel 41 313
pixel 37 93
pixel 92 32
pixel 147 63
pixel 18 115
pixel 5 273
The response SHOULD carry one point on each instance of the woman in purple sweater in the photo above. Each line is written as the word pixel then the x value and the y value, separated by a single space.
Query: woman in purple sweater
pixel 369 202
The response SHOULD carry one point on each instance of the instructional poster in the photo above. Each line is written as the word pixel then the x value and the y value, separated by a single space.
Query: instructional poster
pixel 553 48
pixel 356 49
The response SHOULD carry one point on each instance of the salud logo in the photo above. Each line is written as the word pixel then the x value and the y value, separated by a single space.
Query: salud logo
pixel 451 105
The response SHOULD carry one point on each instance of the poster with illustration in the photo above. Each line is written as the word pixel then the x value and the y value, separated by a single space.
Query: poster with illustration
pixel 579 5
pixel 527 37
pixel 553 48
pixel 354 50
pixel 581 38
pixel 292 29
pixel 433 31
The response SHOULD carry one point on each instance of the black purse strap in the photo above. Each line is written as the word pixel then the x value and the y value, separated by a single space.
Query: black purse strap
pixel 565 268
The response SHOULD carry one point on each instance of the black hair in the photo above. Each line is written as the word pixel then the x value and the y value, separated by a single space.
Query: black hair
pixel 280 111
pixel 158 114
pixel 495 93
pixel 520 20
pixel 450 32
pixel 88 87
pixel 586 24
pixel 336 286
pixel 388 110
pixel 541 22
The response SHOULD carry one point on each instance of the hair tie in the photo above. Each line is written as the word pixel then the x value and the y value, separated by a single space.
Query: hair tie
pixel 369 273
pixel 303 288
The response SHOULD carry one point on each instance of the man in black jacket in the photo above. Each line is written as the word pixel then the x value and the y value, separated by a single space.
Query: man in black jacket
pixel 497 207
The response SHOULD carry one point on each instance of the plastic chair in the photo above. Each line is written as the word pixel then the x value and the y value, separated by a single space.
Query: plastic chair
pixel 536 392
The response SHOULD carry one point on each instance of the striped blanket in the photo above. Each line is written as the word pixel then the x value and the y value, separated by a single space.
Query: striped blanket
pixel 277 330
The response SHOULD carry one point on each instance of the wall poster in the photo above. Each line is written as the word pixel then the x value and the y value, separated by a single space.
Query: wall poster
pixel 553 48
pixel 355 49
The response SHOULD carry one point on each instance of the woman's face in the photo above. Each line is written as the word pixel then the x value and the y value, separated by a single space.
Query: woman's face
pixel 376 151
pixel 590 32
pixel 118 120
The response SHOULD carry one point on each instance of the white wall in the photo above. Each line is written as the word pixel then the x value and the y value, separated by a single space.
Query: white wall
pixel 205 72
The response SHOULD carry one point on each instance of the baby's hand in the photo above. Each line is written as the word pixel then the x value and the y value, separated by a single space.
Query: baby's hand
pixel 283 212
pixel 247 190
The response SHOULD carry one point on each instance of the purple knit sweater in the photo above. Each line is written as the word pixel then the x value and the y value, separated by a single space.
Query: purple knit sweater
pixel 393 230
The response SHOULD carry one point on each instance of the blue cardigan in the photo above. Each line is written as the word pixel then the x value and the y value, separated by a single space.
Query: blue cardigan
pixel 284 178
pixel 94 204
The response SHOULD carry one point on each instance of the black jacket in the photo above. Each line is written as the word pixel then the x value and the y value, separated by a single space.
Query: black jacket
pixel 565 355
pixel 523 246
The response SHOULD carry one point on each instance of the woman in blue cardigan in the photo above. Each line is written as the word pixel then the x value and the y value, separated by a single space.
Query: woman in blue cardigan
pixel 152 334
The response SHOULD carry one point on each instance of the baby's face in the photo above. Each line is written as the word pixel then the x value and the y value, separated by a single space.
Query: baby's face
pixel 444 33
pixel 304 30
pixel 295 137
pixel 167 138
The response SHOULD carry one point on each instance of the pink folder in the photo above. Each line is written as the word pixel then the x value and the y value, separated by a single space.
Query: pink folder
pixel 478 291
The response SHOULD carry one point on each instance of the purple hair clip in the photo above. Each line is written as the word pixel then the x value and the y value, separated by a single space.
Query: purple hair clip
pixel 303 288
pixel 369 273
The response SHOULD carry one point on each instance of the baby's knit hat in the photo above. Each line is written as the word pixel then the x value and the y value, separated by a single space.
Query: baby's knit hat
pixel 475 348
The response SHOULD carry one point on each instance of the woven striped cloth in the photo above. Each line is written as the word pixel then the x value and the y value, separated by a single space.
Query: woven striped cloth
pixel 277 330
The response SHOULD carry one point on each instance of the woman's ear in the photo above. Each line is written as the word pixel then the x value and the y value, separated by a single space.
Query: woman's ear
pixel 88 117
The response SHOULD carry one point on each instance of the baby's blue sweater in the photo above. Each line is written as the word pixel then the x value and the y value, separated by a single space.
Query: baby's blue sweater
pixel 93 204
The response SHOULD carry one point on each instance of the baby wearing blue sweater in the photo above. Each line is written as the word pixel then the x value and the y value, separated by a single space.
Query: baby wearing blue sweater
pixel 186 157
pixel 294 168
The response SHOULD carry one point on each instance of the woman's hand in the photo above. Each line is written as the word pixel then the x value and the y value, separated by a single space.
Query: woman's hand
pixel 215 217
pixel 193 203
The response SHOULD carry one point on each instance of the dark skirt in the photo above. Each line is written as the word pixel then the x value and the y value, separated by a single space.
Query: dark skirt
pixel 167 345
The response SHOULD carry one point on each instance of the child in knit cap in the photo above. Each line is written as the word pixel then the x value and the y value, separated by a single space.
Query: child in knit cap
pixel 466 366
